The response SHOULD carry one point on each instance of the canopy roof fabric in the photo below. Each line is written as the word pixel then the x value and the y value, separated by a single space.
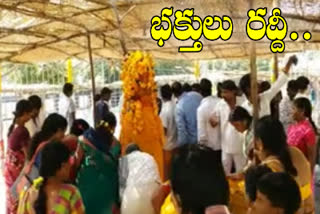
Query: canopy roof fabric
pixel 43 30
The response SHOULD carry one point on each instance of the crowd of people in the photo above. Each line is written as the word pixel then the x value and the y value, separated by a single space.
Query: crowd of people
pixel 59 164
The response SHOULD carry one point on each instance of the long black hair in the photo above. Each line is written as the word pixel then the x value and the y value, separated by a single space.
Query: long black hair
pixel 53 123
pixel 54 154
pixel 198 179
pixel 274 140
pixel 304 105
pixel 22 107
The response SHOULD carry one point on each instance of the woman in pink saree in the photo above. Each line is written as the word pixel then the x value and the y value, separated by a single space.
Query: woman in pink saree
pixel 18 140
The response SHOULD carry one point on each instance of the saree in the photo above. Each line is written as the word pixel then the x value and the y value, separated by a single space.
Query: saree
pixel 97 180
pixel 238 202
pixel 303 179
pixel 13 166
pixel 67 201
pixel 14 163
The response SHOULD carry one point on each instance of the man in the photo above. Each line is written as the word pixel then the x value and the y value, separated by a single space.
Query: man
pixel 186 114
pixel 231 139
pixel 277 193
pixel 196 87
pixel 67 107
pixel 102 106
pixel 138 179
pixel 198 184
pixel 186 87
pixel 207 135
pixel 286 105
pixel 265 98
pixel 264 86
pixel 167 117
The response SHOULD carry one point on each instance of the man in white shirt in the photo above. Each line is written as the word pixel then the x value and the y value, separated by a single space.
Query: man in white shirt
pixel 265 97
pixel 138 178
pixel 67 107
pixel 207 135
pixel 231 140
pixel 38 116
pixel 286 104
pixel 167 116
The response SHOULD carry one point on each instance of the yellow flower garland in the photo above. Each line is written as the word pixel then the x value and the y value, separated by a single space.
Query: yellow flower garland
pixel 138 79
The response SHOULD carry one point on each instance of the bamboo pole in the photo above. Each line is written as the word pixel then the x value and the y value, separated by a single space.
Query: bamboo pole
pixel 275 74
pixel 254 79
pixel 276 66
pixel 254 82
pixel 92 79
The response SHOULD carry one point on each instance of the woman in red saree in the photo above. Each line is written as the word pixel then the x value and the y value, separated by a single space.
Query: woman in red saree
pixel 18 139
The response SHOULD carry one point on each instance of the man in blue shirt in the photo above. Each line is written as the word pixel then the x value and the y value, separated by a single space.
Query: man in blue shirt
pixel 186 114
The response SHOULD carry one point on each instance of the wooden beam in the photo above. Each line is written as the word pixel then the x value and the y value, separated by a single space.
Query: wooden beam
pixel 25 32
pixel 38 45
pixel 42 15
pixel 121 39
pixel 223 45
pixel 315 20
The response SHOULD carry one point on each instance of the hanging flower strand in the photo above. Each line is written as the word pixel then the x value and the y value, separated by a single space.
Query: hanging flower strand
pixel 137 77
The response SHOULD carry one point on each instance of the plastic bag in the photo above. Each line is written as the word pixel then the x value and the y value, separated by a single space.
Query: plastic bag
pixel 168 206
pixel 137 199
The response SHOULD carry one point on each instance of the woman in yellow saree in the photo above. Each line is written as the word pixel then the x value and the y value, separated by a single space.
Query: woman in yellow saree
pixel 271 149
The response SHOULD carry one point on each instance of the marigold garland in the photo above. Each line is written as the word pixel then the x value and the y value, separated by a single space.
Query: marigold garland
pixel 137 78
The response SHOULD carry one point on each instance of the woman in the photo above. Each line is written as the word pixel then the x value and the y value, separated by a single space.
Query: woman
pixel 115 148
pixel 78 127
pixel 273 151
pixel 34 125
pixel 98 168
pixel 302 134
pixel 50 193
pixel 242 122
pixel 53 129
pixel 18 140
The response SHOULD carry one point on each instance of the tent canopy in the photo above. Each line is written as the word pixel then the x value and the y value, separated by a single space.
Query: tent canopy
pixel 44 30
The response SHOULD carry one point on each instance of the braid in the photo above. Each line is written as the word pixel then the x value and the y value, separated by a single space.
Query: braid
pixel 305 105
pixel 313 124
pixel 12 126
